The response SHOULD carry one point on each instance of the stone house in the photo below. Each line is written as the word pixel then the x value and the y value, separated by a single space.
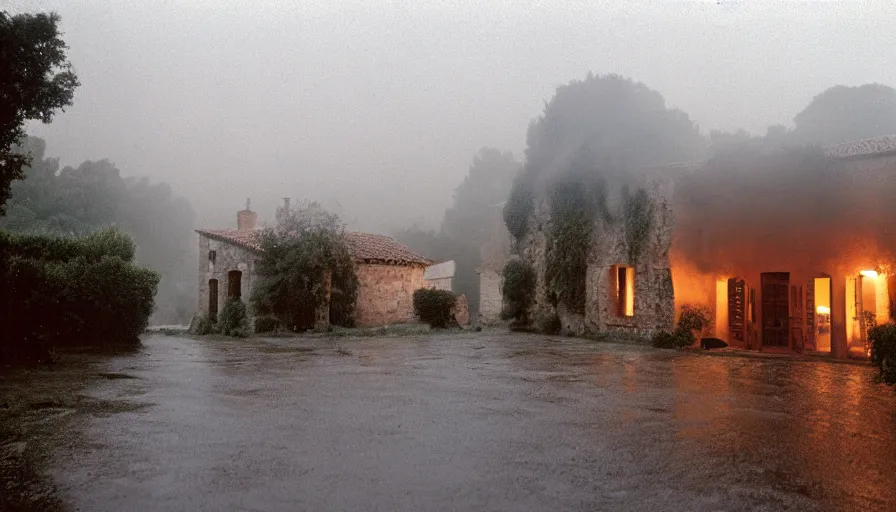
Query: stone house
pixel 817 289
pixel 388 273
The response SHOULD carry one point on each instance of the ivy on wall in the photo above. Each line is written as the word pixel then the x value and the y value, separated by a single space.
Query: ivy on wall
pixel 638 217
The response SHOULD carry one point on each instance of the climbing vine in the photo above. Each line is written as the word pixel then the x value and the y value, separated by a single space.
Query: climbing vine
pixel 638 215
pixel 574 202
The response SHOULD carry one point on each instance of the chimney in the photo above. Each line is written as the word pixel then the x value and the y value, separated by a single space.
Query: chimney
pixel 245 219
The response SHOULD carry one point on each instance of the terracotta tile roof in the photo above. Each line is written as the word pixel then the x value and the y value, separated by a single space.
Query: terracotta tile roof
pixel 863 148
pixel 365 247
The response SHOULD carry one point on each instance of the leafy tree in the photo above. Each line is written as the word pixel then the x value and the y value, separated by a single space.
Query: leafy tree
pixel 78 201
pixel 466 225
pixel 609 122
pixel 36 79
pixel 302 254
pixel 841 114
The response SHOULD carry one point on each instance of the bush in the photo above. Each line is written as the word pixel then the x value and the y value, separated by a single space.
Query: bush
pixel 435 307
pixel 883 351
pixel 518 290
pixel 675 339
pixel 71 291
pixel 233 321
pixel 549 323
pixel 266 323
pixel 691 321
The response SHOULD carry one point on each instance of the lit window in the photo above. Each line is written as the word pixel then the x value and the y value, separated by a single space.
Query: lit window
pixel 622 288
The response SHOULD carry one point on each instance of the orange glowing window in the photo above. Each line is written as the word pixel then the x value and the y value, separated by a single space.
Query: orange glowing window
pixel 622 290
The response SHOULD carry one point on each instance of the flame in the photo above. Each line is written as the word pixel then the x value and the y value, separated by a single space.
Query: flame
pixel 869 273
pixel 823 310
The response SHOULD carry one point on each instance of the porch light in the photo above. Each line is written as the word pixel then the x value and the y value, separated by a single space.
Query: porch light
pixel 869 273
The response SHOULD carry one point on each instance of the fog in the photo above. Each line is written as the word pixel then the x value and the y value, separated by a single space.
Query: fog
pixel 377 110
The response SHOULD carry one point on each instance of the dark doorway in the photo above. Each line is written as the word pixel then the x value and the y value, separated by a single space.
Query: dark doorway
pixel 234 284
pixel 775 308
pixel 213 300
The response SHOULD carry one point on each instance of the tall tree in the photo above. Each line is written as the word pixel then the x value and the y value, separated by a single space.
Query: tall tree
pixel 841 114
pixel 36 79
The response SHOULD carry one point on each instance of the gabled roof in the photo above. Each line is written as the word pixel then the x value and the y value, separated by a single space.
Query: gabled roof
pixel 364 247
pixel 863 148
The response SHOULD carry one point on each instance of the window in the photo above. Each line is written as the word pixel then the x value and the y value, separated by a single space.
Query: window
pixel 211 256
pixel 234 284
pixel 622 290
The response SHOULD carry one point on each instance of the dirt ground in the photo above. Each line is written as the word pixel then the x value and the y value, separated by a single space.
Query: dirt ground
pixel 464 421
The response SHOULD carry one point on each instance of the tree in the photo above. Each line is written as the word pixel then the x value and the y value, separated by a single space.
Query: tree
pixel 598 125
pixel 304 253
pixel 36 79
pixel 613 122
pixel 841 114
pixel 466 225
pixel 81 200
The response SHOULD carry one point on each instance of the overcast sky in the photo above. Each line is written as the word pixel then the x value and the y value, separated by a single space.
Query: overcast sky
pixel 382 105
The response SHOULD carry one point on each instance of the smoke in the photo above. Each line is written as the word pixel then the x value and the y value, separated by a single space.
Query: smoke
pixel 792 210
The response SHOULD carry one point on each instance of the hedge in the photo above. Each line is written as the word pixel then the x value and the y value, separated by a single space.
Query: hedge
pixel 435 307
pixel 57 292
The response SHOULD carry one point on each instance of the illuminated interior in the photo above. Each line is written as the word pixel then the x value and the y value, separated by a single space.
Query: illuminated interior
pixel 625 290
pixel 721 311
pixel 822 314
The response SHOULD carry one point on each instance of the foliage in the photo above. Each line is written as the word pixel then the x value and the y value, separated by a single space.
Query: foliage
pixel 883 351
pixel 519 206
pixel 674 339
pixel 267 323
pixel 302 255
pixel 609 122
pixel 518 290
pixel 93 247
pixel 78 201
pixel 549 323
pixel 233 320
pixel 69 292
pixel 569 239
pixel 435 307
pixel 204 325
pixel 841 114
pixel 36 79
pixel 638 218
pixel 691 321
pixel 470 222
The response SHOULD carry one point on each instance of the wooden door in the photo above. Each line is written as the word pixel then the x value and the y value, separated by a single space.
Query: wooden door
pixel 737 310
pixel 797 319
pixel 213 300
pixel 810 315
pixel 775 308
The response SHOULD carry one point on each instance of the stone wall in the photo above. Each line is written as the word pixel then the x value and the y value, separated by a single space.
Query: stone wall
pixel 385 294
pixel 490 299
pixel 653 293
pixel 443 283
pixel 228 257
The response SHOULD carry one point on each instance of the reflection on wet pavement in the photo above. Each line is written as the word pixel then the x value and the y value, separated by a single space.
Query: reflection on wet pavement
pixel 477 422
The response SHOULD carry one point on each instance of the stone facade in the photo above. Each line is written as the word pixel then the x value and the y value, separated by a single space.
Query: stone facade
pixel 220 263
pixel 651 295
pixel 385 294
pixel 490 300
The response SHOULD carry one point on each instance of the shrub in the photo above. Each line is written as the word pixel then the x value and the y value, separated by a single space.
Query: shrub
pixel 203 326
pixel 71 291
pixel 883 351
pixel 691 321
pixel 694 318
pixel 233 321
pixel 435 307
pixel 549 323
pixel 266 323
pixel 675 339
pixel 518 289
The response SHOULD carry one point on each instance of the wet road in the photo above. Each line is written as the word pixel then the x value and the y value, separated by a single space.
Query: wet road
pixel 477 422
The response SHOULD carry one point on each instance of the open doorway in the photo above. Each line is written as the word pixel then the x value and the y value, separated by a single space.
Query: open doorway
pixel 820 320
pixel 234 284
